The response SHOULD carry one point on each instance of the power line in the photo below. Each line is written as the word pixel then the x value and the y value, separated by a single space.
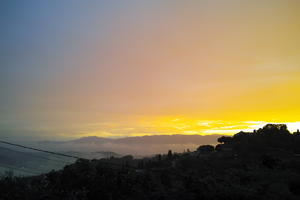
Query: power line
pixel 58 154
pixel 54 159
pixel 41 150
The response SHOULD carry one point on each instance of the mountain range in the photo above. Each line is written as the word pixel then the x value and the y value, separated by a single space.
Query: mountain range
pixel 138 146
pixel 28 162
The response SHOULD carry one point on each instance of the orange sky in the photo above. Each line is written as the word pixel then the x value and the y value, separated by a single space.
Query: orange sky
pixel 119 69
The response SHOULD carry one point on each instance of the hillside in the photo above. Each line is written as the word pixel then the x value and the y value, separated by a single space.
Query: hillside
pixel 231 170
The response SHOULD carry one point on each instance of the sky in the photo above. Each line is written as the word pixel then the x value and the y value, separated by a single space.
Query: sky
pixel 74 68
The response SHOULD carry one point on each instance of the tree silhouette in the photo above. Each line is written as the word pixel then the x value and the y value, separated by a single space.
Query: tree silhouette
pixel 205 149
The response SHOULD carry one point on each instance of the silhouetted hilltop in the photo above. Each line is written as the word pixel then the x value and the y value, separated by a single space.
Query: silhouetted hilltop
pixel 272 137
pixel 263 164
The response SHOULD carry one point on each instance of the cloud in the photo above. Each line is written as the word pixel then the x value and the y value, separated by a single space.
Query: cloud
pixel 174 125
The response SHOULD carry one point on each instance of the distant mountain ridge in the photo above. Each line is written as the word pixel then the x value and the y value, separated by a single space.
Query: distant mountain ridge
pixel 138 145
pixel 152 139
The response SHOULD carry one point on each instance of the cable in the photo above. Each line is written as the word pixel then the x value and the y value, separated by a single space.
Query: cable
pixel 57 160
pixel 45 151
pixel 59 154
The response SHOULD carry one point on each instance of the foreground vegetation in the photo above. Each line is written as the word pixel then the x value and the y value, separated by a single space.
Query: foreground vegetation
pixel 264 164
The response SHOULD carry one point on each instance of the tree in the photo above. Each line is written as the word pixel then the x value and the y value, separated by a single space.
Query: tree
pixel 170 154
pixel 159 157
pixel 205 149
pixel 225 139
pixel 274 129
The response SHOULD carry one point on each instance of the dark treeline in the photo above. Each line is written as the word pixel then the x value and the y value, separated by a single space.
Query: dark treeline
pixel 264 164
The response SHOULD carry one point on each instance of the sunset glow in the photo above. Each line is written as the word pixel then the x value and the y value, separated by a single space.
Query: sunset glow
pixel 137 68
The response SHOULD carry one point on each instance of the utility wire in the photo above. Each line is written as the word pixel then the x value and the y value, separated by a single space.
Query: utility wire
pixel 51 159
pixel 45 151
pixel 58 154
pixel 54 159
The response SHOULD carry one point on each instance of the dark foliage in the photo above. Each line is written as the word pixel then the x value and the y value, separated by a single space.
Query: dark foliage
pixel 206 149
pixel 264 164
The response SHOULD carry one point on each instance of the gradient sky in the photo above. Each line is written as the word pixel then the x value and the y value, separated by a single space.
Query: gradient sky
pixel 126 68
